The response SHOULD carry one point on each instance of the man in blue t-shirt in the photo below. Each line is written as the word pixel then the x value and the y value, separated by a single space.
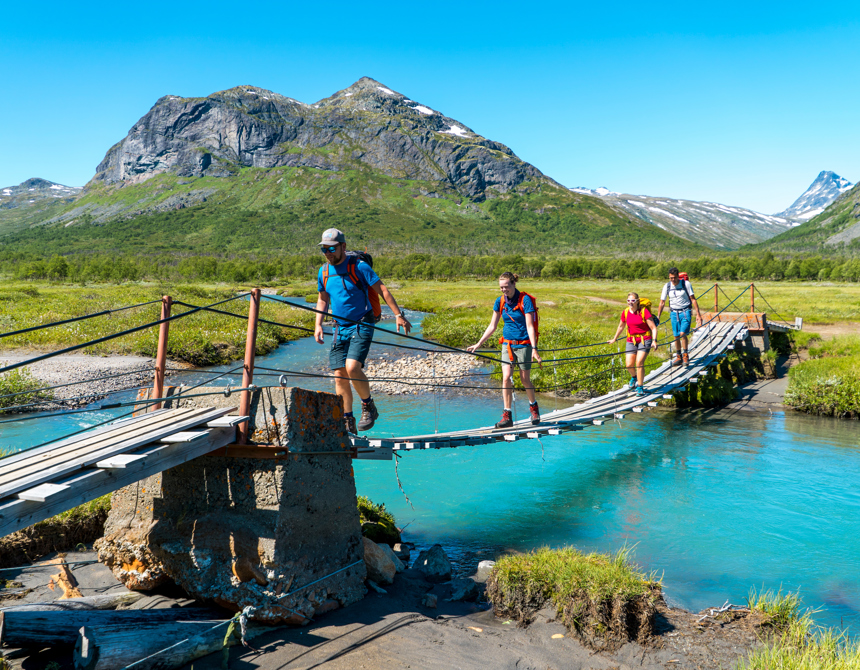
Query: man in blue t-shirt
pixel 352 310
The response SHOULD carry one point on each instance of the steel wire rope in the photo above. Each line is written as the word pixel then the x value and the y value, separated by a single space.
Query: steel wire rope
pixel 329 333
pixel 113 336
pixel 375 327
pixel 76 318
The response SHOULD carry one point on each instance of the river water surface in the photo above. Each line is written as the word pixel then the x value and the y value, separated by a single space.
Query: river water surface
pixel 715 502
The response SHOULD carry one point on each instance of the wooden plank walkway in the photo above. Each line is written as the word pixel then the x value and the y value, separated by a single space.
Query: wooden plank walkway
pixel 40 483
pixel 706 349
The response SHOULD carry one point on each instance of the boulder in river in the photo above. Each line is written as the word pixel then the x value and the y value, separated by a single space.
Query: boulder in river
pixel 380 568
pixel 434 564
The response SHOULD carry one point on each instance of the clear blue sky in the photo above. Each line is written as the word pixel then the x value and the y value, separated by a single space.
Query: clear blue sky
pixel 741 103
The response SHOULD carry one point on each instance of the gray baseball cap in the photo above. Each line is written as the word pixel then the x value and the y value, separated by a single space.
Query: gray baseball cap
pixel 331 237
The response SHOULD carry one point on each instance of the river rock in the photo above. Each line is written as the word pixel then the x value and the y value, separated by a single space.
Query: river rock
pixel 464 589
pixel 398 564
pixel 380 568
pixel 434 564
pixel 430 601
pixel 484 570
pixel 402 550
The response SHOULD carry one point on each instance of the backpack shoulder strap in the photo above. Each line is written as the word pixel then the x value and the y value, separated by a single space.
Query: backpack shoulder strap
pixel 325 276
pixel 352 271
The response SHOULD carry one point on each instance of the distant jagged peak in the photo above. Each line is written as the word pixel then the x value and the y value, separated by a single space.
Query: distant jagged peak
pixel 824 190
pixel 366 86
pixel 38 184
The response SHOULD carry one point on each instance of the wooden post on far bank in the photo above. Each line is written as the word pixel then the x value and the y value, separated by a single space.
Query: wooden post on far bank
pixel 752 297
pixel 161 355
pixel 716 298
pixel 248 370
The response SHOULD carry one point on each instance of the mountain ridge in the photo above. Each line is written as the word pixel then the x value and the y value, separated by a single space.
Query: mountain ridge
pixel 825 188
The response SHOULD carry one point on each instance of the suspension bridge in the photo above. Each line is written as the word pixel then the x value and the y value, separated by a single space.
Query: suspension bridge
pixel 46 479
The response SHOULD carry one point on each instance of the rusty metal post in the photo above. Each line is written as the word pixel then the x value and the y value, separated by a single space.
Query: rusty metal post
pixel 752 297
pixel 248 370
pixel 716 298
pixel 161 354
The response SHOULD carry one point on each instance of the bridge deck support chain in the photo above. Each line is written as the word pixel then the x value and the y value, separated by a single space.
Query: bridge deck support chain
pixel 248 366
pixel 161 351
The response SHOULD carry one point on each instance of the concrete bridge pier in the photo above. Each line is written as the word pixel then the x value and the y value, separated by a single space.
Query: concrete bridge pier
pixel 250 524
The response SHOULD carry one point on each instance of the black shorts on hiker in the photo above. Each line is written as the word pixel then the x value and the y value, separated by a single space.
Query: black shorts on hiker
pixel 641 345
pixel 355 347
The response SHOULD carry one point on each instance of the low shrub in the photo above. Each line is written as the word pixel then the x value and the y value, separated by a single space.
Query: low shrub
pixel 377 523
pixel 19 388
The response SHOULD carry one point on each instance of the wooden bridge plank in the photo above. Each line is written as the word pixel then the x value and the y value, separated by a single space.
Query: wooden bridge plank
pixel 90 484
pixel 9 471
pixel 99 453
pixel 9 461
pixel 43 492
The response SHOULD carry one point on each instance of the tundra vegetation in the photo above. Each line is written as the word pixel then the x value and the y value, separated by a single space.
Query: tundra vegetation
pixel 603 599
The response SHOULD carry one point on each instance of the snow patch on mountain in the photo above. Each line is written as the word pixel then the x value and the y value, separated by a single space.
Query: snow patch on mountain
pixel 710 223
pixel 825 189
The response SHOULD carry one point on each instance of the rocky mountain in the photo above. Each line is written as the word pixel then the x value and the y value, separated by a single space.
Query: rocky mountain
pixel 366 124
pixel 825 189
pixel 709 223
pixel 835 230
pixel 251 170
pixel 32 201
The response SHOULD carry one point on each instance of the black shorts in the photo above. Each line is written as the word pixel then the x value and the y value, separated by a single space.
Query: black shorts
pixel 355 347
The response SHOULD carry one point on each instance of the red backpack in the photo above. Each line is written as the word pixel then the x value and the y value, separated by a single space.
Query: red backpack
pixel 519 306
pixel 352 259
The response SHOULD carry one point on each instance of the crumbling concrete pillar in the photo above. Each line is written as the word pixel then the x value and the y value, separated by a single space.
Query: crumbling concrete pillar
pixel 241 530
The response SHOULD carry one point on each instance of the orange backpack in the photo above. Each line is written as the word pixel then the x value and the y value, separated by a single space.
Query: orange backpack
pixel 352 259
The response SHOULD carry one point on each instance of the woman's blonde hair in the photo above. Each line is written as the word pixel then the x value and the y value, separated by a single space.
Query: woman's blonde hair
pixel 510 276
pixel 635 295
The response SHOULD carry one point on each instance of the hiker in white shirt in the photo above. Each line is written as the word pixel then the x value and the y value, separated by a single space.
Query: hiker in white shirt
pixel 681 302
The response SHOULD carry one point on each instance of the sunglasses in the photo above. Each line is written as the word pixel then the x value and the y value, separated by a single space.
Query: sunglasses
pixel 632 301
pixel 329 250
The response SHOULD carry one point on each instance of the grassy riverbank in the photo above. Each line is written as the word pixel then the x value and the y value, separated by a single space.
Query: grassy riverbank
pixel 827 384
pixel 204 338
pixel 603 599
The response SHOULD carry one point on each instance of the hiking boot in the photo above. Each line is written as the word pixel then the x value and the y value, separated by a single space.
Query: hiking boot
pixel 640 390
pixel 349 421
pixel 686 358
pixel 535 412
pixel 369 415
pixel 632 382
pixel 507 419
pixel 676 359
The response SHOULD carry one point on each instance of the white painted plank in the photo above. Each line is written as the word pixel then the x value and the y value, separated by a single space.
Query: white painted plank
pixel 42 492
pixel 120 461
pixel 227 421
pixel 184 436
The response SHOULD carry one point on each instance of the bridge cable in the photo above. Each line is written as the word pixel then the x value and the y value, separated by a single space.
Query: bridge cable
pixel 77 318
pixel 113 336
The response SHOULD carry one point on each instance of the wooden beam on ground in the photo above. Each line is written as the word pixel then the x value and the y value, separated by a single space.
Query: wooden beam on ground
pixel 101 602
pixel 115 647
pixel 49 628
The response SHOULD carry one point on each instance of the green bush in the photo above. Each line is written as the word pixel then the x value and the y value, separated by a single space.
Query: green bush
pixel 377 523
pixel 21 383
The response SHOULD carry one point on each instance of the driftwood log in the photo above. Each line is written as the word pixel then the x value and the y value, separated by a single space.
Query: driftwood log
pixel 170 645
pixel 47 628
pixel 103 602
